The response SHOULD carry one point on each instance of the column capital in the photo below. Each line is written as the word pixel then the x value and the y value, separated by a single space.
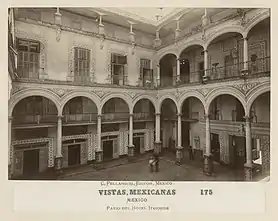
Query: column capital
pixel 178 59
pixel 205 51
pixel 131 115
pixel 158 65
pixel 10 118
pixel 99 115
pixel 245 38
pixel 207 116
pixel 179 114
pixel 157 114
pixel 60 117
pixel 247 119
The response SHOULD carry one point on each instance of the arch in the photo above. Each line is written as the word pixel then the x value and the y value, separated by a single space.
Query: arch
pixel 145 96
pixel 189 94
pixel 191 43
pixel 74 94
pixel 255 93
pixel 161 99
pixel 225 91
pixel 34 92
pixel 124 97
pixel 166 53
pixel 217 33
pixel 257 19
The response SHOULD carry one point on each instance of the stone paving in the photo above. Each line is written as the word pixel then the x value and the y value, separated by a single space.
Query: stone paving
pixel 168 170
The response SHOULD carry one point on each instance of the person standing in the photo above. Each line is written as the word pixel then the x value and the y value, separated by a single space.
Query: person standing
pixel 190 152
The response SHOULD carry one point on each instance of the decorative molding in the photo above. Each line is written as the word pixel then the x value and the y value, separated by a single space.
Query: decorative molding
pixel 50 146
pixel 60 91
pixel 245 88
pixel 43 47
pixel 80 44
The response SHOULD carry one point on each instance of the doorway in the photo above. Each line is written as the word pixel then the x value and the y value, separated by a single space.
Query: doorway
pixel 185 71
pixel 74 155
pixel 215 147
pixel 238 152
pixel 137 145
pixel 107 149
pixel 30 162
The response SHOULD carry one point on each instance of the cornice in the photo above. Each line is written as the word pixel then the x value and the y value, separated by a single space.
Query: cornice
pixel 81 32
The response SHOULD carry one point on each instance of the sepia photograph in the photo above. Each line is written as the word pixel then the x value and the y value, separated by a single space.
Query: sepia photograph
pixel 139 94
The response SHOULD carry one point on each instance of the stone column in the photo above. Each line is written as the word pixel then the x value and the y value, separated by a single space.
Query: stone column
pixel 205 78
pixel 99 151
pixel 158 76
pixel 9 146
pixel 245 55
pixel 157 143
pixel 249 161
pixel 179 153
pixel 208 162
pixel 178 71
pixel 130 145
pixel 59 156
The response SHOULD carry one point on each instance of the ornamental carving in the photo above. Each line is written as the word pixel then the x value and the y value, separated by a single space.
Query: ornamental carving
pixel 16 89
pixel 60 91
pixel 245 88
pixel 99 93
pixel 204 91
pixel 50 145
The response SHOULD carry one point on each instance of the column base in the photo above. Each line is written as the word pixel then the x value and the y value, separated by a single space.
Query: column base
pixel 208 165
pixel 130 150
pixel 205 79
pixel 244 72
pixel 179 155
pixel 248 172
pixel 58 164
pixel 99 156
pixel 157 147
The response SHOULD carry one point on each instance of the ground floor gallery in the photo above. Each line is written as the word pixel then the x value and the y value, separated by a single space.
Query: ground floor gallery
pixel 31 156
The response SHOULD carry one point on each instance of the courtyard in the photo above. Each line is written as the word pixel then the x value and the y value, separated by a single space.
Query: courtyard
pixel 139 170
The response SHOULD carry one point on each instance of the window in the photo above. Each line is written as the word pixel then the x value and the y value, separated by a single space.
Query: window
pixel 28 58
pixel 81 65
pixel 146 73
pixel 118 63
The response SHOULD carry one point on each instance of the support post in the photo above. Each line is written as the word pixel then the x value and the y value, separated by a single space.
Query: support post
pixel 208 161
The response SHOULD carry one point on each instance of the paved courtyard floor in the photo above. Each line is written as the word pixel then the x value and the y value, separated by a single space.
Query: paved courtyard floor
pixel 168 170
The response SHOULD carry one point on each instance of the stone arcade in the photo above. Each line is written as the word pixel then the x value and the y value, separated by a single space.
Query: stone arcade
pixel 85 89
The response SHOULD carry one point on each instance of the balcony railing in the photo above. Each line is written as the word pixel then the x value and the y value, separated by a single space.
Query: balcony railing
pixel 115 116
pixel 257 66
pixel 84 117
pixel 143 116
pixel 34 119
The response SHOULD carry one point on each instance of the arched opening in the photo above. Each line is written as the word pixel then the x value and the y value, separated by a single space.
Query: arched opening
pixel 34 110
pixel 192 135
pixel 227 125
pixel 143 123
pixel 168 122
pixel 79 119
pixel 191 64
pixel 168 70
pixel 228 61
pixel 79 109
pixel 260 124
pixel 115 117
pixel 34 120
pixel 259 48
